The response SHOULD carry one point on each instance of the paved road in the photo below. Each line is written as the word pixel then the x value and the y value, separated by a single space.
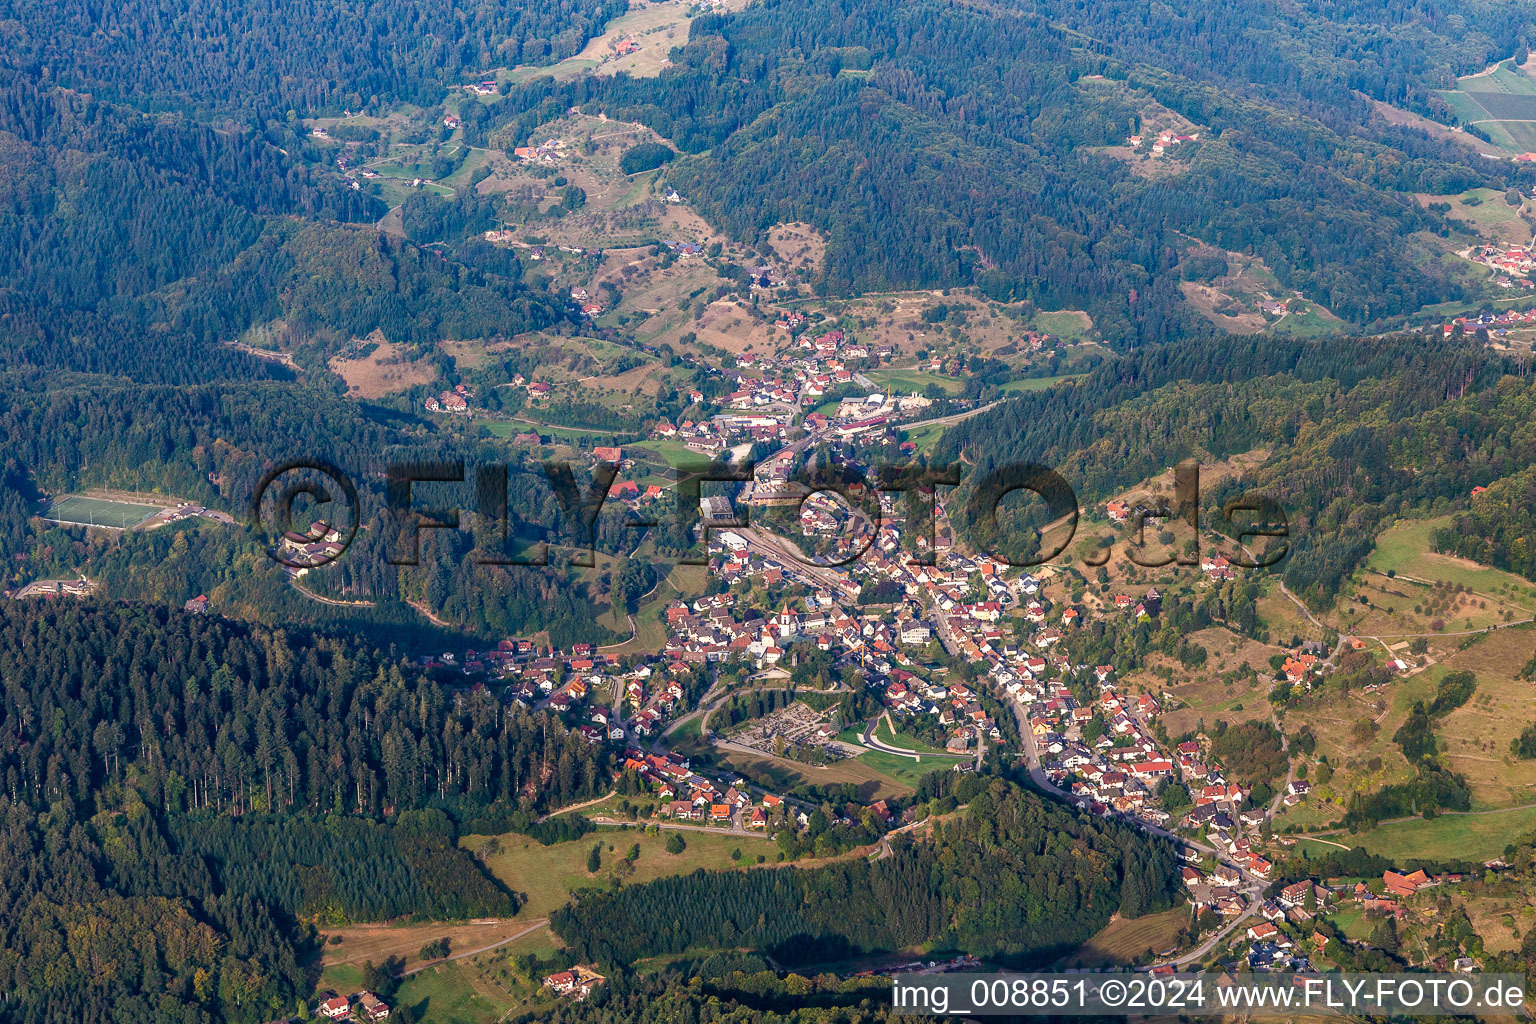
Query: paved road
pixel 869 739
pixel 1217 937
pixel 954 417
pixel 951 643
pixel 1290 766
pixel 1252 891
pixel 577 807
pixel 883 848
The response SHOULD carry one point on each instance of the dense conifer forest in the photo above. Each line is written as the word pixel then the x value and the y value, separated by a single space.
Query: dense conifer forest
pixel 1012 877
pixel 1342 424
pixel 265 59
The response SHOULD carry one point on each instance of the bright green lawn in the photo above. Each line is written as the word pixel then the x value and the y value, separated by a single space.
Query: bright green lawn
pixel 1407 548
pixel 550 874
pixel 1449 836
pixel 446 994
pixel 905 741
pixel 1067 324
pixel 904 769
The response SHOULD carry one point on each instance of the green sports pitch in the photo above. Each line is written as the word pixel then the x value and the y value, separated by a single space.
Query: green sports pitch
pixel 116 515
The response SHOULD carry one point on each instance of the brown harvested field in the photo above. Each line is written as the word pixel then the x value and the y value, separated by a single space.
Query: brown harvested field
pixel 378 942
pixel 799 246
pixel 1155 118
pixel 1207 299
pixel 682 222
pixel 1123 940
pixel 470 355
pixel 380 372
pixel 873 785
pixel 645 378
pixel 1490 918
pixel 653 28
pixel 1206 698
pixel 731 326
pixel 896 319
pixel 1124 574
pixel 1282 618
pixel 1228 651
pixel 1144 164
pixel 619 210
pixel 1476 737
pixel 660 303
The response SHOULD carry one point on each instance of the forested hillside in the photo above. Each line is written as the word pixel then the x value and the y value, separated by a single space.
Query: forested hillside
pixel 213 444
pixel 179 792
pixel 1321 55
pixel 1012 878
pixel 136 246
pixel 946 145
pixel 1500 527
pixel 266 58
pixel 1355 435
pixel 213 713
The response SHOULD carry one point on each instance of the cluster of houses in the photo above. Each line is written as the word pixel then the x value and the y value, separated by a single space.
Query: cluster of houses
pixel 1494 323
pixel 1512 266
pixel 803 374
pixel 707 631
pixel 364 1006
pixel 55 588
pixel 689 796
pixel 320 546
pixel 883 646
pixel 537 389
pixel 546 152
pixel 187 510
pixel 703 436
pixel 1270 948
pixel 455 401
pixel 770 391
pixel 590 308
pixel 1123 767
pixel 767 277
pixel 1162 141
pixel 958 707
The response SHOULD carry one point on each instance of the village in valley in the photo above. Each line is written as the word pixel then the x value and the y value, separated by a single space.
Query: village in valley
pixel 891 633
pixel 834 649
pixel 787 698
pixel 837 646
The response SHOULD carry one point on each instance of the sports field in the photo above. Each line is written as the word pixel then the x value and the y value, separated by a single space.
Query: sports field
pixel 80 511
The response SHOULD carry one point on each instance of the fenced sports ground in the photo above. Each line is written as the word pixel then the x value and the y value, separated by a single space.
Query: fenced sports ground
pixel 76 510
